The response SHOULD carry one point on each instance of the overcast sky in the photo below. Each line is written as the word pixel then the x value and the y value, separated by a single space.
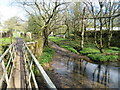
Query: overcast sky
pixel 7 10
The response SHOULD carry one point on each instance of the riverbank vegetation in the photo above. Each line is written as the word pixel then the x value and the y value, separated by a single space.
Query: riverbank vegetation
pixel 4 41
pixel 111 54
pixel 4 44
pixel 47 55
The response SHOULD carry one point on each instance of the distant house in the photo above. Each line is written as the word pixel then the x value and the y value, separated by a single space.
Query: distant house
pixel 104 28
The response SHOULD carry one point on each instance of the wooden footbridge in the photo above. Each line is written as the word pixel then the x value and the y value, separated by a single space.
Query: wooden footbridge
pixel 16 68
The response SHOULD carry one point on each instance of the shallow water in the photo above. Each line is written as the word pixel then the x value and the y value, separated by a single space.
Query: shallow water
pixel 71 73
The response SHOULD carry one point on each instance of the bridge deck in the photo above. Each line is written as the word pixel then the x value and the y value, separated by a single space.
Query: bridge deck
pixel 18 75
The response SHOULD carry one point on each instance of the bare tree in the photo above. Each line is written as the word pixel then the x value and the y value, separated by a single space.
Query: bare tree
pixel 44 11
pixel 105 14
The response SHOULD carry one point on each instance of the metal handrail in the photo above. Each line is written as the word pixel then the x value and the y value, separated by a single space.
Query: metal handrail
pixel 43 73
pixel 3 55
pixel 5 67
pixel 32 60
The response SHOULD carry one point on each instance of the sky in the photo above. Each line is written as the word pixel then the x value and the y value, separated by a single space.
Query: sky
pixel 7 10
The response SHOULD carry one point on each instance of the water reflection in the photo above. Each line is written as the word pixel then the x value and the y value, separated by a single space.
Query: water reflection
pixel 103 74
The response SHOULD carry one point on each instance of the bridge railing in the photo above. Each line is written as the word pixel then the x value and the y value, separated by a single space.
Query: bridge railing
pixel 31 62
pixel 6 64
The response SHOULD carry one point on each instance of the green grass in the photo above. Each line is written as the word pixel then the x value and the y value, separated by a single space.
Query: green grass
pixel 64 43
pixel 100 57
pixel 55 39
pixel 89 49
pixel 94 54
pixel 69 48
pixel 111 50
pixel 4 41
pixel 47 55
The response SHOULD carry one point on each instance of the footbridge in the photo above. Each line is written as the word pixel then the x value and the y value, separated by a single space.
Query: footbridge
pixel 17 65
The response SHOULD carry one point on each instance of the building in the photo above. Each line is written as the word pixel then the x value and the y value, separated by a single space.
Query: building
pixel 104 28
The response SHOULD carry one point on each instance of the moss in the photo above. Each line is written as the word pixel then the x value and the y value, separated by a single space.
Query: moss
pixel 47 55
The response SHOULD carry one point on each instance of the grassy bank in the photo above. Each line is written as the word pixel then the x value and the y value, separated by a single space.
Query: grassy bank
pixel 65 43
pixel 94 54
pixel 47 55
pixel 4 41
pixel 89 50
pixel 4 44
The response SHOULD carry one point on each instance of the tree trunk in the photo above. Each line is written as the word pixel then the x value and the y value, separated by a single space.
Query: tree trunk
pixel 82 35
pixel 101 38
pixel 45 37
pixel 110 33
pixel 67 30
pixel 95 37
pixel 82 28
pixel 74 30
pixel 11 35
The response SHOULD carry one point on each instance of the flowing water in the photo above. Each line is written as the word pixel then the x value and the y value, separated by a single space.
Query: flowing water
pixel 67 72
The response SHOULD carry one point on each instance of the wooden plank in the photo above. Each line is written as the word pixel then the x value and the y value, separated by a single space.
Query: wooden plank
pixel 15 76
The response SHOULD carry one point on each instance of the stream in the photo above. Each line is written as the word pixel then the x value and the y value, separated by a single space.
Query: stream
pixel 66 72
